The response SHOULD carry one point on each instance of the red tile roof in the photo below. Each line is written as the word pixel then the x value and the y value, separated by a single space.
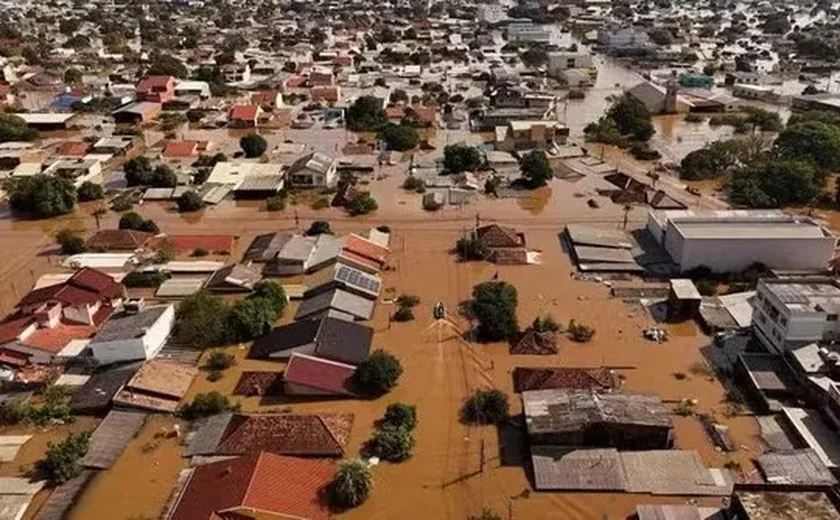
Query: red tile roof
pixel 122 239
pixel 359 261
pixel 244 112
pixel 395 112
pixel 263 482
pixel 72 149
pixel 189 243
pixel 320 374
pixel 296 82
pixel 535 343
pixel 364 247
pixel 86 286
pixel 287 434
pixel 55 339
pixel 425 114
pixel 324 92
pixel 525 379
pixel 264 97
pixel 494 235
pixel 12 326
pixel 150 82
pixel 180 149
pixel 10 357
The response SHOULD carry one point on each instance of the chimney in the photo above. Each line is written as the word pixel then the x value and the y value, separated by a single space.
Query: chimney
pixel 134 305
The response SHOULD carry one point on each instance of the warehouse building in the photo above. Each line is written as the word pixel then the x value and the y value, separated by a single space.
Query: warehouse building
pixel 732 240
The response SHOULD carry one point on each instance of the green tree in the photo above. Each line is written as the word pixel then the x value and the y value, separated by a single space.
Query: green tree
pixel 763 120
pixel 201 321
pixel 14 128
pixel 603 131
pixel 319 227
pixel 131 220
pixel 470 249
pixel 189 201
pixel 400 415
pixel 205 405
pixel 535 57
pixel 366 114
pixel 166 65
pixel 773 183
pixel 352 484
pixel 362 205
pixel 71 242
pixel 710 161
pixel 41 196
pixel 254 145
pixel 378 374
pixel 461 157
pixel 485 407
pixel 273 293
pixel 138 171
pixel 580 332
pixel 163 177
pixel 399 137
pixel 494 304
pixel 90 191
pixel 814 140
pixel 72 76
pixel 251 318
pixel 63 460
pixel 632 118
pixel 220 360
pixel 391 444
pixel 536 169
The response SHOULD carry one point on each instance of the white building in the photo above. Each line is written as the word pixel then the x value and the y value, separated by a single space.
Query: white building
pixel 528 33
pixel 560 61
pixel 133 336
pixel 732 240
pixel 789 313
pixel 316 170
pixel 192 88
pixel 491 13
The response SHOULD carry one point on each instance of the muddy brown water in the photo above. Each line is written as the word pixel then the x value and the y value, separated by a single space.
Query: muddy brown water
pixel 442 479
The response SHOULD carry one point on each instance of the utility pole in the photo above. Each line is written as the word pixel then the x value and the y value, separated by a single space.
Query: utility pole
pixel 482 455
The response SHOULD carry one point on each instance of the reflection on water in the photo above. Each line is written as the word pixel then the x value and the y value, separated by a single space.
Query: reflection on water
pixel 537 201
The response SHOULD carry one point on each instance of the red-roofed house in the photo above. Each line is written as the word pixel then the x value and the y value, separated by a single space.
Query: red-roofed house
pixel 330 94
pixel 156 89
pixel 264 484
pixel 185 149
pixel 364 247
pixel 426 116
pixel 310 375
pixel 343 60
pixel 244 116
pixel 49 320
pixel 395 114
pixel 72 149
pixel 219 244
pixel 267 98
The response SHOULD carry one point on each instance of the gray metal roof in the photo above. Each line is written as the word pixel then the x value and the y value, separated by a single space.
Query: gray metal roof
pixel 111 437
pixel 798 467
pixel 336 299
pixel 297 248
pixel 261 183
pixel 327 249
pixel 206 434
pixel 127 326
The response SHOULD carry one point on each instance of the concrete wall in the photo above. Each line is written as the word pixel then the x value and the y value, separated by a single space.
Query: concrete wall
pixel 155 337
pixel 731 255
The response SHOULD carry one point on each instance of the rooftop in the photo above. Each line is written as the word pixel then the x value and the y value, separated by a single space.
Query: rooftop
pixel 762 505
pixel 560 410
pixel 128 326
pixel 806 294
pixel 324 435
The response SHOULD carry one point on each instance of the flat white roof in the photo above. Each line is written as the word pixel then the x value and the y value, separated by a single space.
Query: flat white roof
pixel 816 434
pixel 748 227
pixel 45 117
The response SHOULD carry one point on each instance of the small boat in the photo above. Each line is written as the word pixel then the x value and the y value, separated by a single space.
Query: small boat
pixel 439 311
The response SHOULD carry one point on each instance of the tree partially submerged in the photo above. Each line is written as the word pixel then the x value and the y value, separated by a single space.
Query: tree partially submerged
pixel 352 484
pixel 461 157
pixel 71 241
pixel 254 145
pixel 41 196
pixel 493 305
pixel 377 374
pixel 63 460
pixel 536 170
pixel 471 249
pixel 205 405
pixel 485 407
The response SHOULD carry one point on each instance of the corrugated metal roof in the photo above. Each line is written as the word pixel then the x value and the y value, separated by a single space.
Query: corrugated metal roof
pixel 111 437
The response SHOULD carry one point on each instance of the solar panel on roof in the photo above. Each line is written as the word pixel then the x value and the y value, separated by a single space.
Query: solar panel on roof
pixel 789 295
pixel 358 279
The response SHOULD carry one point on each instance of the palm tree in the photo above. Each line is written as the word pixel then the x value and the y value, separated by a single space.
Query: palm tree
pixel 352 483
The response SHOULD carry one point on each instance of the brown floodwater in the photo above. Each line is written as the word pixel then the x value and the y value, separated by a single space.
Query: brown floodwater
pixel 443 478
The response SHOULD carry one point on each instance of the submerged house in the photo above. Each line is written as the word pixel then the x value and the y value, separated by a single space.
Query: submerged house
pixel 587 418
pixel 328 338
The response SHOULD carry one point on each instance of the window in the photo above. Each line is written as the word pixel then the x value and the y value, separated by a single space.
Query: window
pixel 784 322
pixel 831 317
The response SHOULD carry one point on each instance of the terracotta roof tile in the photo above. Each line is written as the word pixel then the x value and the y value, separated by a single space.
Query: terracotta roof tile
pixel 535 343
pixel 495 235
pixel 263 481
pixel 72 149
pixel 287 434
pixel 320 374
pixel 55 339
pixel 12 326
pixel 118 239
pixel 364 247
pixel 181 149
pixel 259 383
pixel 151 82
pixel 525 379
pixel 244 112
pixel 189 243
